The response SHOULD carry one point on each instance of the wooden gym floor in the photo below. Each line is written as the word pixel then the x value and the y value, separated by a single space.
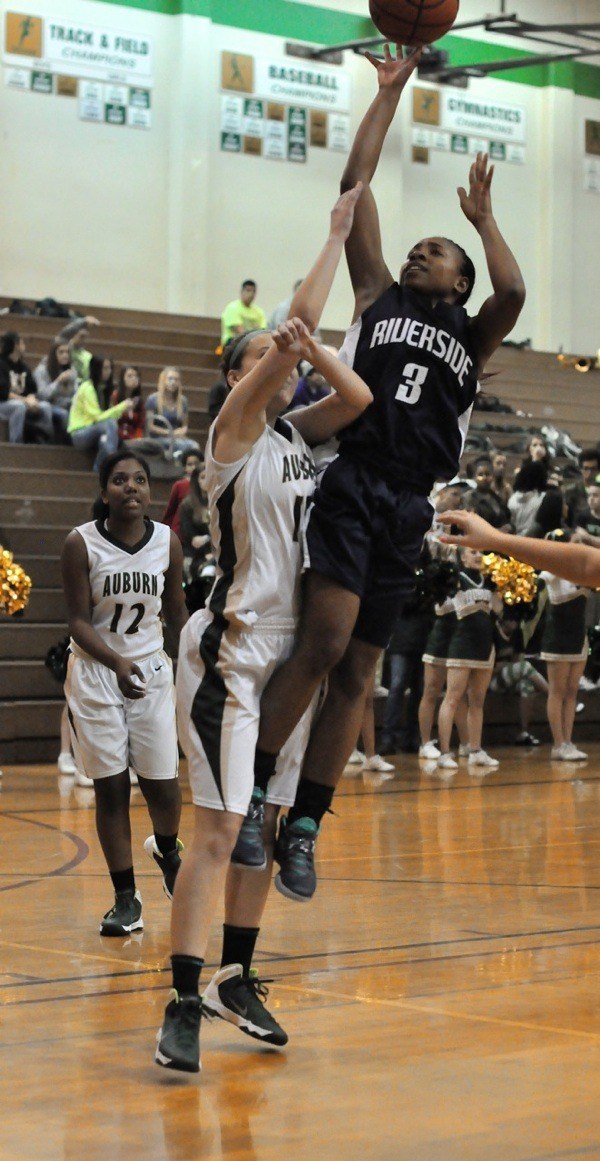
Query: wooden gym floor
pixel 440 992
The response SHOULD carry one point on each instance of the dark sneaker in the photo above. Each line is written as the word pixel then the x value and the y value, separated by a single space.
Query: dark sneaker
pixel 178 1040
pixel 526 739
pixel 249 849
pixel 169 864
pixel 125 916
pixel 240 1000
pixel 295 853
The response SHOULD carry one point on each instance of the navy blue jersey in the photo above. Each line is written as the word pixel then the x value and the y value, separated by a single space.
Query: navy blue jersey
pixel 420 363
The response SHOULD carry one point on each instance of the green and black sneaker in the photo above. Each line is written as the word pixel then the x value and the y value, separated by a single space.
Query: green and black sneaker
pixel 249 849
pixel 169 864
pixel 178 1038
pixel 125 916
pixel 240 1000
pixel 295 853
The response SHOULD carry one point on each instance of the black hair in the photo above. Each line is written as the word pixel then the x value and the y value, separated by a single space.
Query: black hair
pixel 54 367
pixel 549 515
pixel 188 455
pixel 235 349
pixel 589 453
pixel 531 477
pixel 467 269
pixel 248 282
pixel 485 460
pixel 95 370
pixel 8 343
pixel 121 389
pixel 105 470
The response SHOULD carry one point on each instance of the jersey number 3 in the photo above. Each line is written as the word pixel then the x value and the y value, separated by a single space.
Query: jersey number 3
pixel 414 376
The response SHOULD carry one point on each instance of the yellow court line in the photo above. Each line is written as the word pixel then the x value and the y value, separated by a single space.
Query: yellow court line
pixel 404 1005
pixel 74 955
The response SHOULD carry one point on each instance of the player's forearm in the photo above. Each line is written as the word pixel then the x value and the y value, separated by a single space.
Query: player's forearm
pixel 310 298
pixel 574 562
pixel 505 274
pixel 368 143
pixel 90 641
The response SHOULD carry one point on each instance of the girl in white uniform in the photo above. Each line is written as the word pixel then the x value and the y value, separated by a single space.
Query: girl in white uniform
pixel 259 476
pixel 120 573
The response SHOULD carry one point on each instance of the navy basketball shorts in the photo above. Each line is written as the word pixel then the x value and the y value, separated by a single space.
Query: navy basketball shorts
pixel 367 535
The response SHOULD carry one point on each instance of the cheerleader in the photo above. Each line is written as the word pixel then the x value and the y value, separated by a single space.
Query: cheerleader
pixel 435 660
pixel 564 649
pixel 470 663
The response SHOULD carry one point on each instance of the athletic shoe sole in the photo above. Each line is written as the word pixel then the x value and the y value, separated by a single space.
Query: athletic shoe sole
pixel 283 890
pixel 170 1062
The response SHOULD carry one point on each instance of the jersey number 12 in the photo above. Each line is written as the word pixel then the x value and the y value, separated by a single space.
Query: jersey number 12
pixel 135 624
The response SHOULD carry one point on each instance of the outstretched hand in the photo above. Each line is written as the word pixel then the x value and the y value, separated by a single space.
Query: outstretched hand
pixel 477 203
pixel 342 214
pixel 293 338
pixel 394 71
pixel 474 531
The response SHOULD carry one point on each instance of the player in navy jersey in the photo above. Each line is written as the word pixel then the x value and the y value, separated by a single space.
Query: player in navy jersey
pixel 420 353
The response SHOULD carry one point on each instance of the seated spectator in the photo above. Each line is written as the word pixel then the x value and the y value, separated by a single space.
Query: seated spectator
pixel 56 382
pixel 91 426
pixel 191 461
pixel 500 484
pixel 588 527
pixel 76 334
pixel 242 314
pixel 198 559
pixel 132 424
pixel 483 500
pixel 530 485
pixel 167 414
pixel 577 499
pixel 552 514
pixel 106 382
pixel 17 384
pixel 311 385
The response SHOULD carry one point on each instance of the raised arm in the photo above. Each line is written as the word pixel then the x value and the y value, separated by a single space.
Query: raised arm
pixel 501 310
pixel 574 562
pixel 368 272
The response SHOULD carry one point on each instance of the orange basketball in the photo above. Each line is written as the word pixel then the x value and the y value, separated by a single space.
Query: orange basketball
pixel 413 22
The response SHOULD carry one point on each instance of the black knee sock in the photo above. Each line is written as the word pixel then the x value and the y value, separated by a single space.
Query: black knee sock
pixel 186 974
pixel 166 843
pixel 264 769
pixel 123 880
pixel 238 946
pixel 313 800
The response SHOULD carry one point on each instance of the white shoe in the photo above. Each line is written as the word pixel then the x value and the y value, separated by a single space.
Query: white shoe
pixel 480 758
pixel 464 751
pixel 586 684
pixel 378 764
pixel 573 754
pixel 82 779
pixel 66 763
pixel 446 762
pixel 380 691
pixel 429 750
pixel 356 759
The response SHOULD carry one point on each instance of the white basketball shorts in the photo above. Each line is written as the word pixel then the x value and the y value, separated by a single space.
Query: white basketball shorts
pixel 110 732
pixel 220 678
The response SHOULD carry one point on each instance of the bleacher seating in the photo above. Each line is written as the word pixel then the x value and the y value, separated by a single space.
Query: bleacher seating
pixel 45 491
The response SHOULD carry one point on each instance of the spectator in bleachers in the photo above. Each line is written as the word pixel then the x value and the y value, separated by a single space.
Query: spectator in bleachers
pixel 191 461
pixel 167 414
pixel 589 462
pixel 551 515
pixel 91 425
pixel 106 382
pixel 242 314
pixel 76 334
pixel 483 500
pixel 537 452
pixel 311 385
pixel 282 310
pixel 500 484
pixel 530 486
pixel 194 528
pixel 17 384
pixel 56 382
pixel 132 424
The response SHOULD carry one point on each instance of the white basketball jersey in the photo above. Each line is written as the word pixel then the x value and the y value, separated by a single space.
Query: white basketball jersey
pixel 127 585
pixel 257 517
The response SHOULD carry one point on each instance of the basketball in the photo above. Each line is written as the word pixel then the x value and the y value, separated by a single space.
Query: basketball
pixel 413 22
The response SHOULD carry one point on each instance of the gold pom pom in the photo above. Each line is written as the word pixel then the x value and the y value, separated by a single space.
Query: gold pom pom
pixel 515 583
pixel 15 585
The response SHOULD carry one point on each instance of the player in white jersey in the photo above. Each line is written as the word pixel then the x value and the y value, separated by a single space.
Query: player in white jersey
pixel 121 572
pixel 259 474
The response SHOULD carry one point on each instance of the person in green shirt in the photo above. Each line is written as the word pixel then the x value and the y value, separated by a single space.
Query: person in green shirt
pixel 89 425
pixel 242 315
